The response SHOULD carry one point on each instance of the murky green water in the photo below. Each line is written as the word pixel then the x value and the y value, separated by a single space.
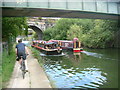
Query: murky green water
pixel 93 68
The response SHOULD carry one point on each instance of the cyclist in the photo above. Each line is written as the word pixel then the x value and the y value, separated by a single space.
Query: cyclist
pixel 21 50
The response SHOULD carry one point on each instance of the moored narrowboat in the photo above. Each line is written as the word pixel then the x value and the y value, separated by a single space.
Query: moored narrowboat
pixel 64 44
pixel 74 45
pixel 50 48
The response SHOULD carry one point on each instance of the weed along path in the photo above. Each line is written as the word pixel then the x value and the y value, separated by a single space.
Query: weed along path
pixel 35 78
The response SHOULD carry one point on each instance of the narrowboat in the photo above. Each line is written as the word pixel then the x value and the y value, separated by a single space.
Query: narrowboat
pixel 48 48
pixel 74 45
pixel 64 44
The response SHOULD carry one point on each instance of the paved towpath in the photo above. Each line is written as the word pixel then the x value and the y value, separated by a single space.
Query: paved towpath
pixel 35 78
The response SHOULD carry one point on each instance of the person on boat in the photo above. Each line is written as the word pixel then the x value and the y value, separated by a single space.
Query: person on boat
pixel 53 46
pixel 46 47
pixel 21 50
pixel 77 44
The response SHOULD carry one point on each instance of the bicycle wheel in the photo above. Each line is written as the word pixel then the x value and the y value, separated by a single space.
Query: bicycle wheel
pixel 23 74
pixel 23 69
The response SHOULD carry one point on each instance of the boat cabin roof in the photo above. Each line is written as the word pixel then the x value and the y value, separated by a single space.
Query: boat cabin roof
pixel 61 41
pixel 50 43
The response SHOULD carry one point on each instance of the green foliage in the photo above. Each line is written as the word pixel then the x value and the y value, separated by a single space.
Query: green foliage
pixel 35 52
pixel 59 30
pixel 93 33
pixel 40 18
pixel 35 36
pixel 12 27
pixel 8 62
pixel 73 32
pixel 99 36
pixel 48 34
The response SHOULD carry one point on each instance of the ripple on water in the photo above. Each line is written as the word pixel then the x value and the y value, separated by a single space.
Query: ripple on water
pixel 85 79
pixel 75 77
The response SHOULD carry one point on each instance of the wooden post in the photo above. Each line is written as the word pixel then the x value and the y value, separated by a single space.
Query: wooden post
pixel 74 44
pixel 59 43
pixel 79 44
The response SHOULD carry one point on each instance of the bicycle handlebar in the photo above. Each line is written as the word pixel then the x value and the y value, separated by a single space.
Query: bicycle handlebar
pixel 27 54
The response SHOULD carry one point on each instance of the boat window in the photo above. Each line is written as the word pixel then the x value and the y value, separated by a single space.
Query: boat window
pixel 41 45
pixel 70 44
pixel 63 44
pixel 33 43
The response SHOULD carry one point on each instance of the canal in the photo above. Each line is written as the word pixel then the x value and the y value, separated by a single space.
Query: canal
pixel 92 68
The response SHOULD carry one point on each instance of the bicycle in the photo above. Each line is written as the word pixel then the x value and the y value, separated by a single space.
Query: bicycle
pixel 23 67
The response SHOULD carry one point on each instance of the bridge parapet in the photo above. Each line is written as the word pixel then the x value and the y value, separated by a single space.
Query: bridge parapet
pixel 103 6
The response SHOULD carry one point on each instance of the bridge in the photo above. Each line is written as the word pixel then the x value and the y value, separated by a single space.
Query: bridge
pixel 39 25
pixel 37 28
pixel 93 9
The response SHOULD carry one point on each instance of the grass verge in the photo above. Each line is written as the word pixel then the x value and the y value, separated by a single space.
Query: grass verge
pixel 36 55
pixel 8 62
pixel 0 77
pixel 0 71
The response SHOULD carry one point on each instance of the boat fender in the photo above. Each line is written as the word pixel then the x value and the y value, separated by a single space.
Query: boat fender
pixel 58 50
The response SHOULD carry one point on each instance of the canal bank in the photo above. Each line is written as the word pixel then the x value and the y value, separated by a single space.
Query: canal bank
pixel 35 78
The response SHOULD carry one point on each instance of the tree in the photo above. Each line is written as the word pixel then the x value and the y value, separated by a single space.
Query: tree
pixel 93 33
pixel 74 31
pixel 99 36
pixel 11 28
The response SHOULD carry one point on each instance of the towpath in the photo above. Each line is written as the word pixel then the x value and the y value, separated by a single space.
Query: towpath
pixel 35 78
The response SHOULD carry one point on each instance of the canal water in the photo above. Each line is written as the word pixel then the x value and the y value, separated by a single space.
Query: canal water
pixel 92 68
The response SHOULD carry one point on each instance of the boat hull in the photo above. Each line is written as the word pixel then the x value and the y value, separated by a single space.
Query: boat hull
pixel 54 52
pixel 77 49
pixel 49 51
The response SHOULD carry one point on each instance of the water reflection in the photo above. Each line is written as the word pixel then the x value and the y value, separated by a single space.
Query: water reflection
pixel 78 70
pixel 77 56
